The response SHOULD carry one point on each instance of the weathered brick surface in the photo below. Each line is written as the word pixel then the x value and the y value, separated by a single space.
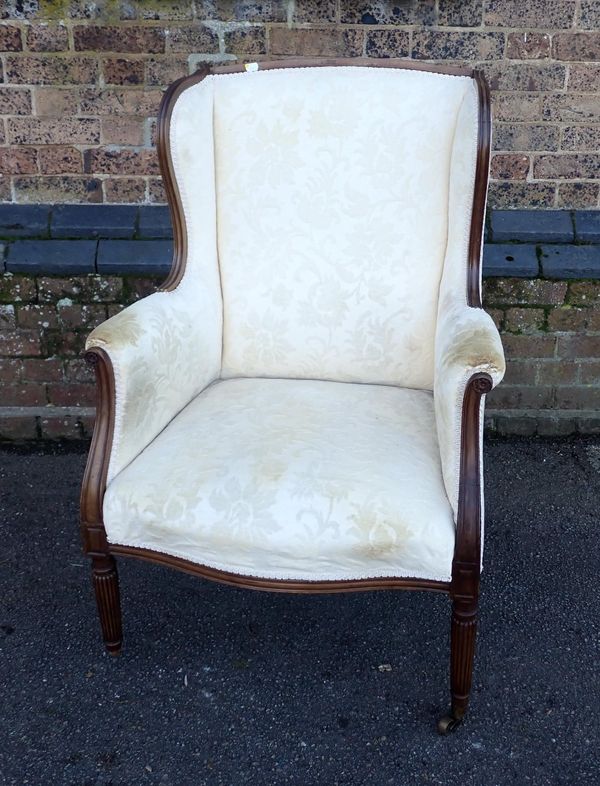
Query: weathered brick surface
pixel 109 62
pixel 550 330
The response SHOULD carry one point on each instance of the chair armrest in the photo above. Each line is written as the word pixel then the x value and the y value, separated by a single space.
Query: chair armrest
pixel 164 350
pixel 467 343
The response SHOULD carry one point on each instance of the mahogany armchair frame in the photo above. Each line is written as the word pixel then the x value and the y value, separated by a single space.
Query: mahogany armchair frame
pixel 463 588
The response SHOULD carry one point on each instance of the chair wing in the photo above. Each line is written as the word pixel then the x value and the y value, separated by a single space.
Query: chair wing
pixel 467 341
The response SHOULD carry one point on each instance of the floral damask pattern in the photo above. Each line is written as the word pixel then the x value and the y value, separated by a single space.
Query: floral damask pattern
pixel 156 373
pixel 292 479
pixel 327 229
pixel 332 193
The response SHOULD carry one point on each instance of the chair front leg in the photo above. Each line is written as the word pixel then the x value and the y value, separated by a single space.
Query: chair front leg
pixel 106 586
pixel 462 654
pixel 463 635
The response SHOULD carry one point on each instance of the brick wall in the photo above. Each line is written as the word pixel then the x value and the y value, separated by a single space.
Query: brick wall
pixel 541 285
pixel 81 81
pixel 550 332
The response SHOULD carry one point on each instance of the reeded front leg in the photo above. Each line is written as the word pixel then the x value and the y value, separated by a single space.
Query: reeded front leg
pixel 106 586
pixel 462 655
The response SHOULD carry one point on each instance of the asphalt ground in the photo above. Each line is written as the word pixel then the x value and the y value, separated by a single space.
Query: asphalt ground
pixel 222 686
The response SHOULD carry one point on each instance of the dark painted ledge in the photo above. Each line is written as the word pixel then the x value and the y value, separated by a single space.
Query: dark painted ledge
pixel 137 240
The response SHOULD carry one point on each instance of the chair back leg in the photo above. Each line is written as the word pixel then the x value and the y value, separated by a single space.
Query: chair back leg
pixel 106 586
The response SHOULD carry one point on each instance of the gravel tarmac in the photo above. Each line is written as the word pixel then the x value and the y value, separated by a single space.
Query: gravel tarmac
pixel 228 687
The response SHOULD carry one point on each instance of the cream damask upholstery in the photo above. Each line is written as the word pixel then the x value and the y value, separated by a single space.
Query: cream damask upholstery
pixel 292 408
pixel 296 479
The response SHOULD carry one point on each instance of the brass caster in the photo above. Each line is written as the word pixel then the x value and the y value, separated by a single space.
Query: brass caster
pixel 447 724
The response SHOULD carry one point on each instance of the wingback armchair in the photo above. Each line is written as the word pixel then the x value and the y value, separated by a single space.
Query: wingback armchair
pixel 299 408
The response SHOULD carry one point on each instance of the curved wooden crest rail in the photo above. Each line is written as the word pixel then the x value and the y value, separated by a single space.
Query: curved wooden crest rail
pixel 464 586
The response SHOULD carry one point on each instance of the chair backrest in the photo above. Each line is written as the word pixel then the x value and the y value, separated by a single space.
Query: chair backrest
pixel 326 193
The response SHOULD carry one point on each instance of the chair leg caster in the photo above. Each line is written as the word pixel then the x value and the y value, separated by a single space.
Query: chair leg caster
pixel 447 724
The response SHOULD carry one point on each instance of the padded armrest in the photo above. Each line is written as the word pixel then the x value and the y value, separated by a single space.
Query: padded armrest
pixel 467 343
pixel 164 350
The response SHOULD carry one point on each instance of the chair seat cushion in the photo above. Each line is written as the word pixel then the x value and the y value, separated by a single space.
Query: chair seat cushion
pixel 292 479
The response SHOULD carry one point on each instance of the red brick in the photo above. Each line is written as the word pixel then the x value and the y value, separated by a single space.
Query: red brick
pixel 57 188
pixel 121 162
pixel 573 319
pixel 10 371
pixel 81 316
pixel 38 318
pixel 18 161
pixel 451 45
pixel 44 70
pixel 89 289
pixel 522 372
pixel 192 39
pixel 528 46
pixel 10 39
pixel 578 397
pixel 33 130
pixel 576 46
pixel 166 9
pixel 516 291
pixel 578 346
pixel 122 131
pixel 580 138
pixel 47 38
pixel 590 373
pixel 584 293
pixel 578 195
pixel 125 190
pixel 60 425
pixel 16 426
pixel 583 77
pixel 19 342
pixel 72 395
pixel 140 103
pixel 56 101
pixel 79 371
pixel 164 70
pixel 388 43
pixel 517 107
pixel 509 167
pixel 121 71
pixel 508 75
pixel 16 289
pixel 323 42
pixel 518 193
pixel 524 320
pixel 557 372
pixel 24 395
pixel 64 344
pixel 571 107
pixel 60 159
pixel 535 13
pixel 42 370
pixel 246 41
pixel 107 38
pixel 517 346
pixel 5 190
pixel 520 397
pixel 156 191
pixel 15 101
pixel 582 165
